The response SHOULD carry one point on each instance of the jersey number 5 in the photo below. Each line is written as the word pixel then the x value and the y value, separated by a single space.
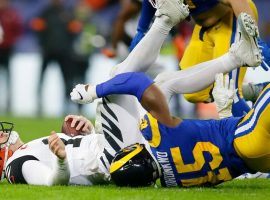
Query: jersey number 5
pixel 197 152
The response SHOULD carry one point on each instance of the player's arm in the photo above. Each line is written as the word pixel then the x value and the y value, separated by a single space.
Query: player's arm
pixel 37 173
pixel 239 6
pixel 132 83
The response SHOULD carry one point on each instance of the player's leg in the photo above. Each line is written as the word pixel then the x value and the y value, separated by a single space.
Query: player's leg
pixel 118 117
pixel 202 75
pixel 252 137
pixel 67 67
pixel 145 53
pixel 245 52
pixel 224 34
pixel 5 55
pixel 199 49
pixel 240 106
pixel 46 59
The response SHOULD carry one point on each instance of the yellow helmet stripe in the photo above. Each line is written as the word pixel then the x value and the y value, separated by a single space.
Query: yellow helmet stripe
pixel 118 164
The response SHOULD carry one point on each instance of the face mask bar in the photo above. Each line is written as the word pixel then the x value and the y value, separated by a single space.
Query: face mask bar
pixel 6 127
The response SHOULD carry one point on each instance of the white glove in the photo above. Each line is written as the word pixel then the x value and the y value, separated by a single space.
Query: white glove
pixel 83 94
pixel 223 93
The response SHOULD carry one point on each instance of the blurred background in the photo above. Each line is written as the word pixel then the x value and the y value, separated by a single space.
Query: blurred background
pixel 51 45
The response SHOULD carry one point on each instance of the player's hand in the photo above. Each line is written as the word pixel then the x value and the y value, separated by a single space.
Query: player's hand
pixel 83 94
pixel 265 53
pixel 57 146
pixel 224 93
pixel 80 123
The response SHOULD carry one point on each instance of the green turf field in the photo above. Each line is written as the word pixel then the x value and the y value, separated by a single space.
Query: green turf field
pixel 30 128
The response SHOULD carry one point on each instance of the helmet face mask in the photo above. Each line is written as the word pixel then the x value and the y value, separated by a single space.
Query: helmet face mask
pixel 6 127
pixel 134 166
pixel 5 153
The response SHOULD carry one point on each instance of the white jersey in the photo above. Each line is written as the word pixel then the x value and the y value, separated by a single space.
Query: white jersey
pixel 83 156
pixel 89 157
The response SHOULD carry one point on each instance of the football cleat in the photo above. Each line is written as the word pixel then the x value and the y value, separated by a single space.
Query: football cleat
pixel 175 10
pixel 253 176
pixel 245 47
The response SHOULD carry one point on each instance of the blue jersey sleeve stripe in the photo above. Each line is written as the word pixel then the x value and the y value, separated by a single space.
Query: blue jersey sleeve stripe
pixel 248 127
pixel 255 105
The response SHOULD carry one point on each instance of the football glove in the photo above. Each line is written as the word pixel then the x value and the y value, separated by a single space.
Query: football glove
pixel 223 93
pixel 265 53
pixel 83 94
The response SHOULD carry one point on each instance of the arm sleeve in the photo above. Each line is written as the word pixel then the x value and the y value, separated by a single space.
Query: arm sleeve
pixel 37 173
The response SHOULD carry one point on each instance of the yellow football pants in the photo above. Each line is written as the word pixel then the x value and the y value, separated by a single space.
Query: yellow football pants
pixel 252 142
pixel 209 43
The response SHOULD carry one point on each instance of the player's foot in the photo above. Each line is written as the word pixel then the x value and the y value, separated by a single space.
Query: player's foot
pixel 246 47
pixel 175 10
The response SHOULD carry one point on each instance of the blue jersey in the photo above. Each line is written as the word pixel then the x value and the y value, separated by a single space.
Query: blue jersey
pixel 199 6
pixel 196 152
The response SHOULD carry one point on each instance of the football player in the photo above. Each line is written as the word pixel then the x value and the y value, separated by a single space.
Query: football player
pixel 214 32
pixel 188 152
pixel 117 120
pixel 57 159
